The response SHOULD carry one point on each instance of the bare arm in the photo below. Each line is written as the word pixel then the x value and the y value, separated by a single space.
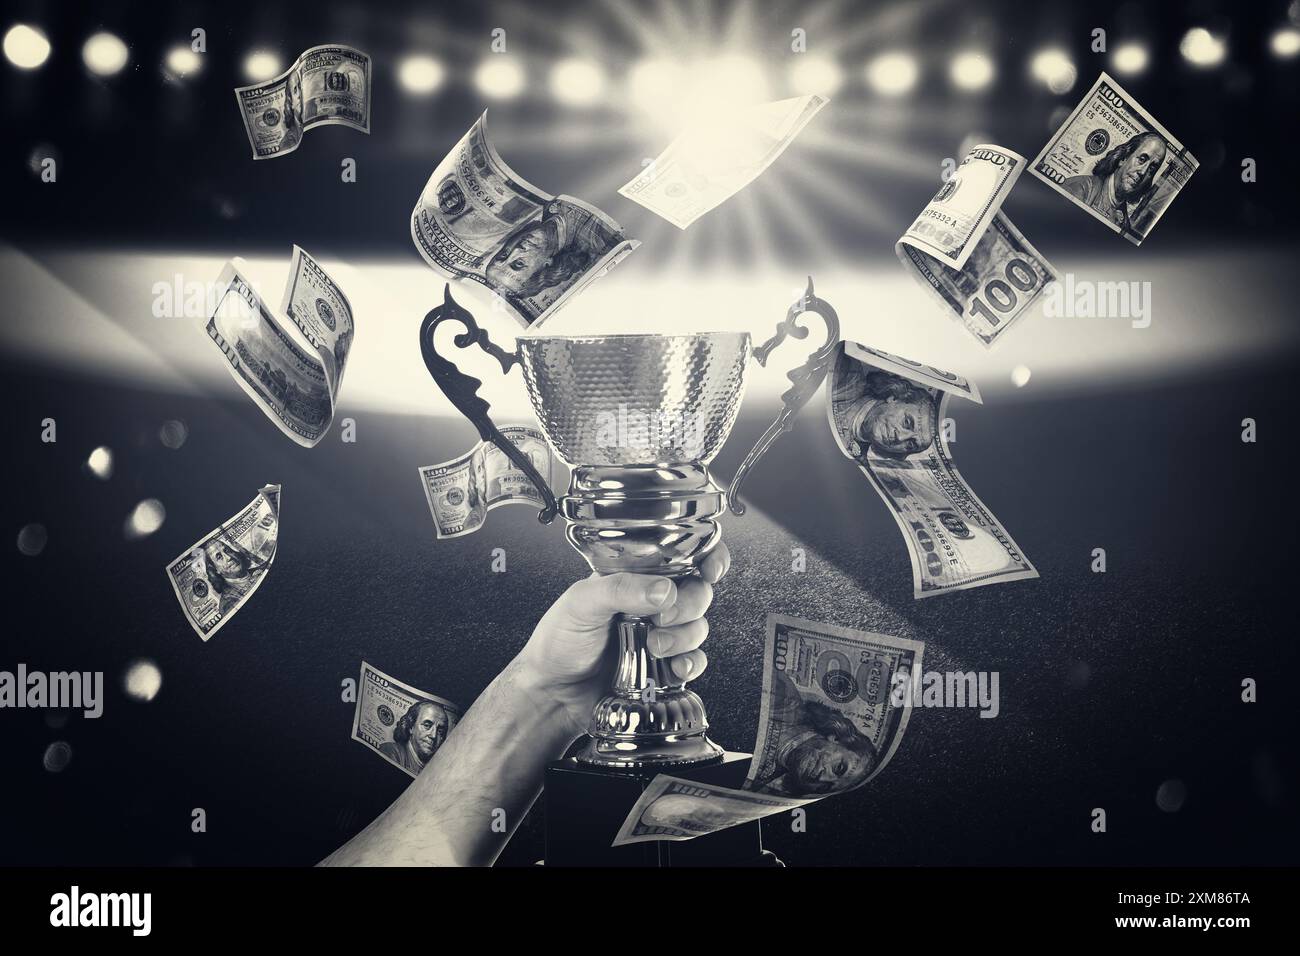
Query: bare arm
pixel 494 758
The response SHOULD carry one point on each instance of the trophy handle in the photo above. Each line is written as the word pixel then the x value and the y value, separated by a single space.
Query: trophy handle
pixel 805 380
pixel 462 389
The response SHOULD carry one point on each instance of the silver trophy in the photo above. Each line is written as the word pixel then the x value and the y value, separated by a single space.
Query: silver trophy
pixel 637 418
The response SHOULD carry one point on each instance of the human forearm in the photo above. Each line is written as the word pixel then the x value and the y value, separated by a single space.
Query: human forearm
pixel 493 760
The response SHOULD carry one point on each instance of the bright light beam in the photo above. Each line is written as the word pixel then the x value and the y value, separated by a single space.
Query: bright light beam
pixel 654 84
pixel 105 54
pixel 1203 49
pixel 678 95
pixel 892 74
pixel 1285 43
pixel 261 65
pixel 26 47
pixel 183 61
pixel 577 82
pixel 1054 69
pixel 1130 58
pixel 815 74
pixel 971 71
pixel 499 77
pixel 420 75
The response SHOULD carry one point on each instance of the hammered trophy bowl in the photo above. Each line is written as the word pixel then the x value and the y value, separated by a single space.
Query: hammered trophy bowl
pixel 637 418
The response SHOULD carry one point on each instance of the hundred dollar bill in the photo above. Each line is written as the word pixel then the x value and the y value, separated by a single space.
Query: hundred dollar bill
pixel 1112 159
pixel 918 372
pixel 479 221
pixel 953 221
pixel 316 304
pixel 1003 277
pixel 462 491
pixel 327 85
pixel 889 418
pixel 675 809
pixel 295 385
pixel 709 164
pixel 401 723
pixel 828 721
pixel 213 579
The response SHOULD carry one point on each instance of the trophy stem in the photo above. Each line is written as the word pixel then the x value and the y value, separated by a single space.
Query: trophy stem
pixel 650 719
pixel 638 671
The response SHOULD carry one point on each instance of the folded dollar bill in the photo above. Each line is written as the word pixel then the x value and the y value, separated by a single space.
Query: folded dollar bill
pixel 1112 159
pixel 401 723
pixel 675 809
pixel 887 414
pixel 952 223
pixel 480 221
pixel 214 578
pixel 295 385
pixel 1003 277
pixel 462 491
pixel 326 85
pixel 829 722
pixel 711 162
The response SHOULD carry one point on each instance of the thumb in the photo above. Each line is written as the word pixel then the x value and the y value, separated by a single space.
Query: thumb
pixel 594 600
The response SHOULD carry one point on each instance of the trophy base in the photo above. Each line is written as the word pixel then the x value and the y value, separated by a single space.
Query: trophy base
pixel 665 754
pixel 586 806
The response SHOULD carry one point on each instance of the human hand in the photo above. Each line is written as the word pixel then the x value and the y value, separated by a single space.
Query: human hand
pixel 571 655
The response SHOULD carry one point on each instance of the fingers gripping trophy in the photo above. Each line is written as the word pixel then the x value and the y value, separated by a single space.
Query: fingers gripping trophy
pixel 637 418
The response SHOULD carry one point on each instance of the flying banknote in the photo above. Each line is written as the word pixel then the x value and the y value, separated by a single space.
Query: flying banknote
pixel 887 414
pixel 479 221
pixel 327 85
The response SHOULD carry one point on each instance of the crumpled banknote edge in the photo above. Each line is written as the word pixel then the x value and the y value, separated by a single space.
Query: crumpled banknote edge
pixel 1142 114
pixel 454 709
pixel 262 493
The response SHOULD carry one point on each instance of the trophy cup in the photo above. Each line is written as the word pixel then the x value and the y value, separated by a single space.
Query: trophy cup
pixel 637 418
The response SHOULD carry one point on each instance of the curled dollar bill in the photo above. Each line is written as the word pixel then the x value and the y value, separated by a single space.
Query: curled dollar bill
pixel 214 578
pixel 710 163
pixel 401 723
pixel 463 490
pixel 675 809
pixel 829 722
pixel 326 85
pixel 952 223
pixel 479 221
pixel 1112 159
pixel 295 385
pixel 887 414
pixel 1004 276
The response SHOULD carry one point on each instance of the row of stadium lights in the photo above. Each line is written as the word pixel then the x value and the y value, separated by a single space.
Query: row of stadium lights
pixel 581 82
